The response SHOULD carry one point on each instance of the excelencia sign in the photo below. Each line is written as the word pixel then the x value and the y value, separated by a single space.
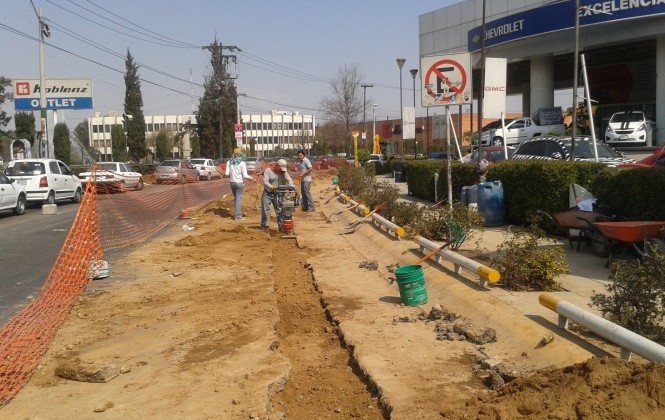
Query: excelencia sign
pixel 559 16
pixel 60 94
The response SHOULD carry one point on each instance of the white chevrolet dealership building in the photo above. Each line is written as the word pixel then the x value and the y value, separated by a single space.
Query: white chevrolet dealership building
pixel 623 42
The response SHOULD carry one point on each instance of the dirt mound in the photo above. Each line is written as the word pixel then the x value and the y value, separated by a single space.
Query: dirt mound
pixel 600 388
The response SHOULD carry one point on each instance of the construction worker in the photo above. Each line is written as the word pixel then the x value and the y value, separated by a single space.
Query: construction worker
pixel 237 171
pixel 273 177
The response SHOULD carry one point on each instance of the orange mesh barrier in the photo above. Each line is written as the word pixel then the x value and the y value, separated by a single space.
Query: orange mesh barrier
pixel 104 223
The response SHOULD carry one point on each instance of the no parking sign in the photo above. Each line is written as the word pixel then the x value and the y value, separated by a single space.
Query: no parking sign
pixel 447 80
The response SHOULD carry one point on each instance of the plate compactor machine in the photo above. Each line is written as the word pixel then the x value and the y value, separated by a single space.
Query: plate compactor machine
pixel 287 202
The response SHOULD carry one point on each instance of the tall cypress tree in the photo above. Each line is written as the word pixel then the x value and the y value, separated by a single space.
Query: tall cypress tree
pixel 135 126
pixel 218 102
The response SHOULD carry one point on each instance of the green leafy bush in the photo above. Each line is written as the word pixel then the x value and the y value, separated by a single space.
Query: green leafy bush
pixel 448 224
pixel 525 263
pixel 636 298
pixel 633 193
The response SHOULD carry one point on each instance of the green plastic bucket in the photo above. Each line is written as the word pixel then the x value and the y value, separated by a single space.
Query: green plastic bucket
pixel 411 282
pixel 335 181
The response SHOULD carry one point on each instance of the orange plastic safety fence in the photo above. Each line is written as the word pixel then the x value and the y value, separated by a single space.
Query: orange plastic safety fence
pixel 25 339
pixel 108 221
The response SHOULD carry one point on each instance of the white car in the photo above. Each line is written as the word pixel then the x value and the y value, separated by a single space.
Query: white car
pixel 12 195
pixel 207 168
pixel 113 177
pixel 45 180
pixel 629 128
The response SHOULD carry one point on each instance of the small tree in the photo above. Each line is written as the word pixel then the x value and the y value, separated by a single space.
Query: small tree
pixel 25 125
pixel 345 104
pixel 61 143
pixel 162 146
pixel 636 298
pixel 118 143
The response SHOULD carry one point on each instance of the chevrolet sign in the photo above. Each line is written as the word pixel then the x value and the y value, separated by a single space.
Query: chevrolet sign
pixel 60 94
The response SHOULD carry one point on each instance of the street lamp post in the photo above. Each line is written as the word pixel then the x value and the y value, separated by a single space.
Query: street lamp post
pixel 365 86
pixel 373 125
pixel 400 64
pixel 414 72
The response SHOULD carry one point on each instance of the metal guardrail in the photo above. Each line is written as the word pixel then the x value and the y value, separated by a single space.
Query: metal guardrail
pixel 629 341
pixel 485 274
pixel 378 220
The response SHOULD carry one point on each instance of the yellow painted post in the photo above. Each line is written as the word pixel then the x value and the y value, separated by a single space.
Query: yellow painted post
pixel 355 148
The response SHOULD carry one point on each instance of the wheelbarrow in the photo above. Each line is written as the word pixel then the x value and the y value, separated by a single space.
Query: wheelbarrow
pixel 580 227
pixel 633 234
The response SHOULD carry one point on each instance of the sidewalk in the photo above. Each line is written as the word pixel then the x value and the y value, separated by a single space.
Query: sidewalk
pixel 588 274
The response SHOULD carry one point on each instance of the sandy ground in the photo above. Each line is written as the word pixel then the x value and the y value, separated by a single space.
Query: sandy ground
pixel 228 321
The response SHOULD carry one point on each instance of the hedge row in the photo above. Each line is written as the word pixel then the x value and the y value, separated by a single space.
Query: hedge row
pixel 529 186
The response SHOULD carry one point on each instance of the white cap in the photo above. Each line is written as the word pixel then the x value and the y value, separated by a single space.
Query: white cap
pixel 282 164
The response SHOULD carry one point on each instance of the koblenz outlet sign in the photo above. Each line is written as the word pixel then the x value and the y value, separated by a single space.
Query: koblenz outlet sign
pixel 60 94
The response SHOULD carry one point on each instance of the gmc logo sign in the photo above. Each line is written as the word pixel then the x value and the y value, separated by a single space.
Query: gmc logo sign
pixel 495 88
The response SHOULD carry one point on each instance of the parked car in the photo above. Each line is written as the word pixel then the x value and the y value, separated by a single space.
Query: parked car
pixel 12 195
pixel 321 162
pixel 113 177
pixel 221 165
pixel 175 171
pixel 491 154
pixel 556 148
pixel 254 164
pixel 45 180
pixel 437 155
pixel 655 160
pixel 207 168
pixel 629 128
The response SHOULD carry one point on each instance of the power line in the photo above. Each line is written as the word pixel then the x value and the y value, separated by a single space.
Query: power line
pixel 115 30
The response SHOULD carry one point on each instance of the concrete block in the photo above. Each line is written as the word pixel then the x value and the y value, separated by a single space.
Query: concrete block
pixel 50 209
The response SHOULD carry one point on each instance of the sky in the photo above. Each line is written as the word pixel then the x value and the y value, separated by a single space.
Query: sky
pixel 291 49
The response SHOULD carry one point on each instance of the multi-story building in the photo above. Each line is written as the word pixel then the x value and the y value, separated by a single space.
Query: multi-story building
pixel 100 126
pixel 279 130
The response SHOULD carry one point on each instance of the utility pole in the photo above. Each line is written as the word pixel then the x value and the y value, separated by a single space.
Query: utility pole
pixel 365 86
pixel 43 32
pixel 222 83
pixel 576 65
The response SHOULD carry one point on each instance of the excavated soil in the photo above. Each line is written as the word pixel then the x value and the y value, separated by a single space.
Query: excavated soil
pixel 231 322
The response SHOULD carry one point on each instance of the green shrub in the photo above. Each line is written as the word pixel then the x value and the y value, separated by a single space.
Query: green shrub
pixel 633 193
pixel 526 264
pixel 636 298
pixel 448 224
pixel 420 177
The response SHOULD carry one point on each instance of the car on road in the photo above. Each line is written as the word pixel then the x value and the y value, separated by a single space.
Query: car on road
pixel 207 168
pixel 113 177
pixel 175 171
pixel 629 128
pixel 12 195
pixel 558 148
pixel 254 164
pixel 45 180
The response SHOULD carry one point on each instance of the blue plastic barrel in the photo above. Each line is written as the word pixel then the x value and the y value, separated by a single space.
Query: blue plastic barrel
pixel 491 204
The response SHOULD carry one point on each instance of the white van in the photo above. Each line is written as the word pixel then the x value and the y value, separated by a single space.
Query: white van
pixel 45 180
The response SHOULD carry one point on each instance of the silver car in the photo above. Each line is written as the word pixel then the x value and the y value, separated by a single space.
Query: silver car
pixel 254 164
pixel 175 171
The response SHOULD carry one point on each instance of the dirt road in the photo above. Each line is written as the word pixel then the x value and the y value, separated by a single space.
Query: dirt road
pixel 228 321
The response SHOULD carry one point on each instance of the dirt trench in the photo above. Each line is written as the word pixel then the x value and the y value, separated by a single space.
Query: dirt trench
pixel 324 380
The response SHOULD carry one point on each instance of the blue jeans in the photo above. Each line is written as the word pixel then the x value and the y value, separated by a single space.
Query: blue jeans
pixel 306 193
pixel 236 189
pixel 267 199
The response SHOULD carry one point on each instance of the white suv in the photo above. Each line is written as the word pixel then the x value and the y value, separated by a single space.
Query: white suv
pixel 45 180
